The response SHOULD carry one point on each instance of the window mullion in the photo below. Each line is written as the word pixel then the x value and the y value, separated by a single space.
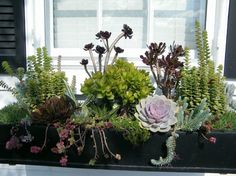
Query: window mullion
pixel 150 21
pixel 99 15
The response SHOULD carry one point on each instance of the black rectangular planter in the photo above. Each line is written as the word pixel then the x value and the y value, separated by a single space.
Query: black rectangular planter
pixel 192 155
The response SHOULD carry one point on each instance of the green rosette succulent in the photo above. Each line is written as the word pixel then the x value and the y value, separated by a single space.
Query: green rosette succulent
pixel 156 113
pixel 121 84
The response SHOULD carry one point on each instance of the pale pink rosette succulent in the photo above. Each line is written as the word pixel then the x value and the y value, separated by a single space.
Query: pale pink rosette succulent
pixel 156 113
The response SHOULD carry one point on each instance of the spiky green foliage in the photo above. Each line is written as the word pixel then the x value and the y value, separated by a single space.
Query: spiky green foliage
pixel 203 57
pixel 192 120
pixel 227 121
pixel 7 68
pixel 131 130
pixel 203 81
pixel 19 73
pixel 73 84
pixel 121 84
pixel 12 114
pixel 42 81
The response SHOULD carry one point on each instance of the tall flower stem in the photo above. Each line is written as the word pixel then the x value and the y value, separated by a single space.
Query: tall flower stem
pixel 93 60
pixel 105 142
pixel 86 69
pixel 95 145
pixel 100 62
pixel 114 59
pixel 111 48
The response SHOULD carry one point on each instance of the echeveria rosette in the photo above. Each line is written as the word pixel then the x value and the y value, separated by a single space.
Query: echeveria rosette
pixel 156 113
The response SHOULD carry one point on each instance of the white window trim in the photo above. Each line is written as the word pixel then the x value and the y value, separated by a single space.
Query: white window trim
pixel 216 25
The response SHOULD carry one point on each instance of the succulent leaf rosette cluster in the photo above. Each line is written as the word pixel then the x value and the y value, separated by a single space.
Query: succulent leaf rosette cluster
pixel 156 113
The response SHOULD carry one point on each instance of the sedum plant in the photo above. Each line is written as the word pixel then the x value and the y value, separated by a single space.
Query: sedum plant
pixel 12 114
pixel 121 84
pixel 201 82
pixel 131 130
pixel 42 81
pixel 39 83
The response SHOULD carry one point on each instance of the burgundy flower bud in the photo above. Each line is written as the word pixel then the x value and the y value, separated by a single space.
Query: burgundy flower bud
pixel 128 32
pixel 88 46
pixel 84 62
pixel 212 140
pixel 103 35
pixel 35 149
pixel 118 50
pixel 100 50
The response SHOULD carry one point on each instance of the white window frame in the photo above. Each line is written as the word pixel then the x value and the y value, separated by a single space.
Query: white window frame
pixel 36 31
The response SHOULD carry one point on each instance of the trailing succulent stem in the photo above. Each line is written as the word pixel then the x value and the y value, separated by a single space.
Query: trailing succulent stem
pixel 170 145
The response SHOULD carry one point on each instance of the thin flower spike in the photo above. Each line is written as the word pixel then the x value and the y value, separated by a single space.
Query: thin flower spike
pixel 84 62
pixel 89 48
pixel 117 50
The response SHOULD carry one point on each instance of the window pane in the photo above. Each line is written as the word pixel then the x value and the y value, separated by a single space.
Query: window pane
pixel 123 4
pixel 175 20
pixel 75 22
pixel 130 12
pixel 75 4
pixel 74 32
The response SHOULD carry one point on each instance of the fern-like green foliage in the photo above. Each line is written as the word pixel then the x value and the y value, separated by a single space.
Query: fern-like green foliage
pixel 121 84
pixel 131 130
pixel 6 87
pixel 12 114
pixel 203 81
pixel 193 119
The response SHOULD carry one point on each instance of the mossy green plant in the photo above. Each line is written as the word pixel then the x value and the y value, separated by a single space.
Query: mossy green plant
pixel 131 129
pixel 227 121
pixel 121 84
pixel 12 114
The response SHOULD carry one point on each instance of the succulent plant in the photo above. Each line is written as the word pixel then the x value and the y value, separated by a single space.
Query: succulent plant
pixel 165 69
pixel 121 84
pixel 53 110
pixel 156 113
pixel 105 51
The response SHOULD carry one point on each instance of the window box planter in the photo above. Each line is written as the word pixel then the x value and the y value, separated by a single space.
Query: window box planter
pixel 194 154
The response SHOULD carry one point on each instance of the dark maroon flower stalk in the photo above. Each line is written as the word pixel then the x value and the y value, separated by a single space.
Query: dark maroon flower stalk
pixel 84 62
pixel 126 32
pixel 89 48
pixel 100 50
pixel 117 50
